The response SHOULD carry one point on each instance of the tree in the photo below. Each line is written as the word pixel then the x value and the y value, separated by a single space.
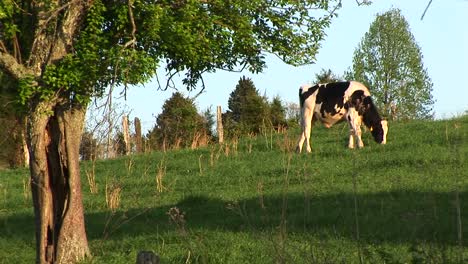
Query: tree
pixel 209 120
pixel 248 111
pixel 178 124
pixel 293 114
pixel 88 146
pixel 277 113
pixel 389 61
pixel 59 54
pixel 326 76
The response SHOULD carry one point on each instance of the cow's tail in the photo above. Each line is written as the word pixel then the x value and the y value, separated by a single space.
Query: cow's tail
pixel 301 107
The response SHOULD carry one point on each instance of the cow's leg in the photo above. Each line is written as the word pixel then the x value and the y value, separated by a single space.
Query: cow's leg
pixel 351 137
pixel 301 140
pixel 354 121
pixel 306 125
pixel 308 129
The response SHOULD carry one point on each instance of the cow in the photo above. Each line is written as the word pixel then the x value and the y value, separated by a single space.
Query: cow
pixel 331 103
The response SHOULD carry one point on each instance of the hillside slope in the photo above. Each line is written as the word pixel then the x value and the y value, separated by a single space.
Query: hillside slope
pixel 256 201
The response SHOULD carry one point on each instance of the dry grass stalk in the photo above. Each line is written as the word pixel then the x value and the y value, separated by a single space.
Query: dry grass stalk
pixel 251 137
pixel 146 170
pixel 287 144
pixel 234 145
pixel 3 191
pixel 91 176
pixel 177 143
pixel 160 175
pixel 260 195
pixel 129 164
pixel 92 182
pixel 113 192
pixel 26 190
pixel 220 151
pixel 212 156
pixel 227 150
pixel 164 145
pixel 200 167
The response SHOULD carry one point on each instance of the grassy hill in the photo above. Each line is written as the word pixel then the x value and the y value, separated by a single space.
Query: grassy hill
pixel 256 201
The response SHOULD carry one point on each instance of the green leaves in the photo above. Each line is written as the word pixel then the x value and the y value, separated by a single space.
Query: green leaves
pixel 26 89
pixel 199 36
pixel 120 43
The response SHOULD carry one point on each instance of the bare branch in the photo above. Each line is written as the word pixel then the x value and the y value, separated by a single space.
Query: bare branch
pixel 202 89
pixel 425 10
pixel 132 20
pixel 363 2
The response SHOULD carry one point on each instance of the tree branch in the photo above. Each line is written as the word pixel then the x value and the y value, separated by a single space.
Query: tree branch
pixel 363 2
pixel 425 10
pixel 11 65
pixel 132 20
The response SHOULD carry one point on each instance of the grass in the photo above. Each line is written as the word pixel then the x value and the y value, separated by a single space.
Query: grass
pixel 255 201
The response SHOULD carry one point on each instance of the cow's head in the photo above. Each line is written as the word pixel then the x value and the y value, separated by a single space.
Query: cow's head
pixel 379 132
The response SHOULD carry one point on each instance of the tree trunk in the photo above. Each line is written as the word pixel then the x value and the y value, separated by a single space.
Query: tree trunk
pixel 54 135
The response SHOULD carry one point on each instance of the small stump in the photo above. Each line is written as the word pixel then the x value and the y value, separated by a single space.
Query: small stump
pixel 147 257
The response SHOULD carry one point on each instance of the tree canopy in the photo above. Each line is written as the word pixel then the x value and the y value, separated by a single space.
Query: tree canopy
pixel 179 124
pixel 123 43
pixel 326 76
pixel 389 61
pixel 248 111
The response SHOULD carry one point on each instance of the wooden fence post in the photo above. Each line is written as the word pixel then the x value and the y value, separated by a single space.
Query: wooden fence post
pixel 219 125
pixel 138 140
pixel 126 135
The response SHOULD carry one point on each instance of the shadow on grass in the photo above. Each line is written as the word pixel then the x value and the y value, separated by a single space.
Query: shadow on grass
pixel 392 217
pixel 383 217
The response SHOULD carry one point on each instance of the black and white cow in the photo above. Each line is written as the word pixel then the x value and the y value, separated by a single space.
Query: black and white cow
pixel 334 102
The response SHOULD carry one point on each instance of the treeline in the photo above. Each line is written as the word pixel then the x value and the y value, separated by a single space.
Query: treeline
pixel 181 125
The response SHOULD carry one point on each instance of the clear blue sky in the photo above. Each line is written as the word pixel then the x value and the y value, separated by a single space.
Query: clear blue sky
pixel 442 37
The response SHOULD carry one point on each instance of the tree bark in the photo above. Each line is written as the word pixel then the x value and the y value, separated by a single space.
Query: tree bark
pixel 54 135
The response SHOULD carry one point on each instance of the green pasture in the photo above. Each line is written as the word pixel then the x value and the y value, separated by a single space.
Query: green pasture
pixel 256 201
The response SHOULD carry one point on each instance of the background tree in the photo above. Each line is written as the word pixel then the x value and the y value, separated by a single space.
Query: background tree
pixel 178 125
pixel 89 146
pixel 248 111
pixel 277 113
pixel 60 54
pixel 389 61
pixel 293 114
pixel 209 119
pixel 327 76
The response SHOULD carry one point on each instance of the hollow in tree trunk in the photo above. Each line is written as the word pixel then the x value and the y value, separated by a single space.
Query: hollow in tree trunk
pixel 54 135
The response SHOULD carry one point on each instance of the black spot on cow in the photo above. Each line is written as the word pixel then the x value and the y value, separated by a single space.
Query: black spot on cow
pixel 357 101
pixel 372 120
pixel 304 95
pixel 331 95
